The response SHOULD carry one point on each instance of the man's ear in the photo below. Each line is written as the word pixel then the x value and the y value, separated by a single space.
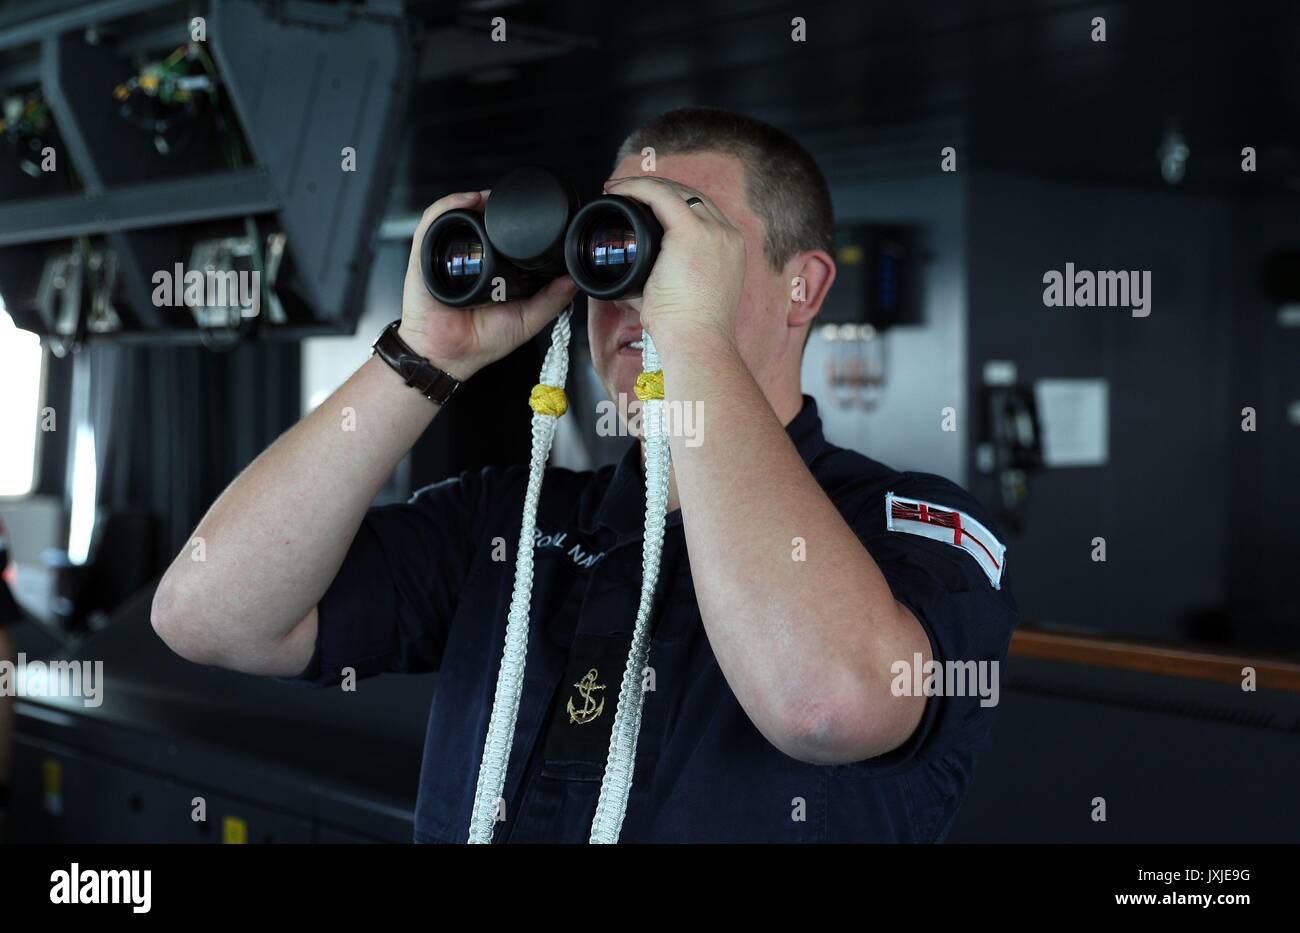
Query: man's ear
pixel 810 275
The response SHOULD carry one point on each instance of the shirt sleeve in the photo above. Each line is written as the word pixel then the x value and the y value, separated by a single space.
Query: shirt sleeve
pixel 389 608
pixel 967 619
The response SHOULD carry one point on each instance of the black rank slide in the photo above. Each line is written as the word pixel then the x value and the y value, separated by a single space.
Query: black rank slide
pixel 840 451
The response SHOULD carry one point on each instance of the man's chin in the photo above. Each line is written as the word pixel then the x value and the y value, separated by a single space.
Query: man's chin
pixel 623 375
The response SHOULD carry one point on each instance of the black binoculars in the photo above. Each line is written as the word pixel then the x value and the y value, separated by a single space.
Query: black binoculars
pixel 532 231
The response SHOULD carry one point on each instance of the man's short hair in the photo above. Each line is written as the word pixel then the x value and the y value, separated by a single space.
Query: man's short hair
pixel 783 183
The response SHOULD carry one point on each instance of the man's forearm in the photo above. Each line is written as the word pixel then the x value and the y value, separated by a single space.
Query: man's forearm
pixel 805 640
pixel 267 549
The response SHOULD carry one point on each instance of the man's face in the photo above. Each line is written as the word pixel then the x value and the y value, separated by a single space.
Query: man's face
pixel 761 330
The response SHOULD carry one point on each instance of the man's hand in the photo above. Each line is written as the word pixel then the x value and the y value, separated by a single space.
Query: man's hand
pixel 697 279
pixel 464 340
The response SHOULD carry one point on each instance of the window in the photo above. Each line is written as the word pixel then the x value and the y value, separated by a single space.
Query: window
pixel 20 398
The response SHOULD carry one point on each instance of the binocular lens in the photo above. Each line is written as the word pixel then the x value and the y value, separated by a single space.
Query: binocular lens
pixel 611 251
pixel 457 261
pixel 611 246
pixel 462 260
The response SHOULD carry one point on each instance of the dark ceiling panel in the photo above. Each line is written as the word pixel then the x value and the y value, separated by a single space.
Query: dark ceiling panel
pixel 877 89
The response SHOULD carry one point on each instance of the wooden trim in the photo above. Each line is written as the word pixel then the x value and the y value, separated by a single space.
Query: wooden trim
pixel 1191 663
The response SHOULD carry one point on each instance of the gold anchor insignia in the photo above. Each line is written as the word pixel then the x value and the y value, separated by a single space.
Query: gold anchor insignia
pixel 590 708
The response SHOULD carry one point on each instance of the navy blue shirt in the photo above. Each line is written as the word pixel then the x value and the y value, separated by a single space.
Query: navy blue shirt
pixel 426 586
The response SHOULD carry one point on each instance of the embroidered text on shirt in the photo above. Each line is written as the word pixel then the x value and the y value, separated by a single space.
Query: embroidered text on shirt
pixel 580 555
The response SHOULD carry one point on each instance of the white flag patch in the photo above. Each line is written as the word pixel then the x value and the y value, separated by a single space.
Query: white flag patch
pixel 951 526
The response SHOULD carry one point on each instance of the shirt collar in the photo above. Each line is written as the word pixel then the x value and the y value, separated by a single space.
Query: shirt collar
pixel 622 508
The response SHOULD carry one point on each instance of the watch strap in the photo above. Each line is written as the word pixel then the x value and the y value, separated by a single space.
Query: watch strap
pixel 416 371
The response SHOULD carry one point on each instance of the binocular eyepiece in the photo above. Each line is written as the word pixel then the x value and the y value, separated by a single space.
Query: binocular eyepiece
pixel 533 231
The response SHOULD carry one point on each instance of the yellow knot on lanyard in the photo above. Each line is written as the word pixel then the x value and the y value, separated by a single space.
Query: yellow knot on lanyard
pixel 548 400
pixel 650 385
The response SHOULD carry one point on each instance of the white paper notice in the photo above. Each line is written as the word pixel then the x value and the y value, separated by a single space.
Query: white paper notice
pixel 1074 417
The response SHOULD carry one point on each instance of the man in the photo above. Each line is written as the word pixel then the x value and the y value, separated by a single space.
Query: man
pixel 779 700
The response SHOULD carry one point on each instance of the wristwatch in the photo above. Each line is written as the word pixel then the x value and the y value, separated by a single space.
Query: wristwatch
pixel 415 370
